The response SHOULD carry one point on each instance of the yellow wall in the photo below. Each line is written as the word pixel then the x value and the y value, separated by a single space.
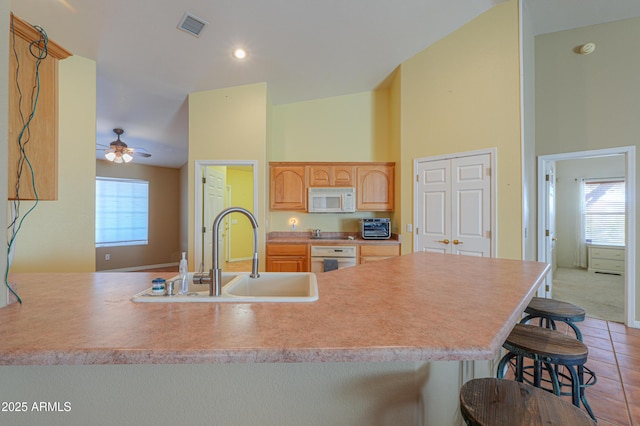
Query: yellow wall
pixel 394 94
pixel 462 94
pixel 342 128
pixel 229 124
pixel 184 208
pixel 240 180
pixel 164 218
pixel 58 236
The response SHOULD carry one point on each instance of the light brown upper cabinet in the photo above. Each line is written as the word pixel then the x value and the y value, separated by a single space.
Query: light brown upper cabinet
pixel 374 189
pixel 40 140
pixel 331 175
pixel 374 182
pixel 288 187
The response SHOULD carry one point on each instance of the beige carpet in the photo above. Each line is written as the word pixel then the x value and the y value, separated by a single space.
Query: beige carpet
pixel 600 295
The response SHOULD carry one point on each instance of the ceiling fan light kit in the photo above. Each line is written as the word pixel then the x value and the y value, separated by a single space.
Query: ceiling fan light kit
pixel 119 152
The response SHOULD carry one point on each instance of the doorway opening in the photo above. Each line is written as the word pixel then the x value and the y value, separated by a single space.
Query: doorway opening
pixel 220 184
pixel 548 208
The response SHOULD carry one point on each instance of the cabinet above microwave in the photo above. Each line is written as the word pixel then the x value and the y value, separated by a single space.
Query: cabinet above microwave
pixel 373 182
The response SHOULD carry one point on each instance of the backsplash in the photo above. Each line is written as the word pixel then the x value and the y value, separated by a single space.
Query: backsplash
pixel 329 222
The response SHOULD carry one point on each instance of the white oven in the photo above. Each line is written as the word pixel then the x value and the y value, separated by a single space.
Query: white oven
pixel 328 258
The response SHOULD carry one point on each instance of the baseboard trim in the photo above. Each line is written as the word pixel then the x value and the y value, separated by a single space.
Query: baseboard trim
pixel 141 268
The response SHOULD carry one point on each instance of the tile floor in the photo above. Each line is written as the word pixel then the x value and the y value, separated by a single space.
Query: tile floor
pixel 614 356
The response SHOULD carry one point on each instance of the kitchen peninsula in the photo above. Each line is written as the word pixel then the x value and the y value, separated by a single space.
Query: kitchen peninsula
pixel 388 342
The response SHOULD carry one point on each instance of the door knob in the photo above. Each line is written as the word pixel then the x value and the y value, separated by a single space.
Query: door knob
pixel 457 242
pixel 445 241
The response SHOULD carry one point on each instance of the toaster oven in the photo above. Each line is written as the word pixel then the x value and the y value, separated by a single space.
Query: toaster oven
pixel 376 228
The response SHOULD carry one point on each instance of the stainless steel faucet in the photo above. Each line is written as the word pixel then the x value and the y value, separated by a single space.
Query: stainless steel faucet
pixel 214 278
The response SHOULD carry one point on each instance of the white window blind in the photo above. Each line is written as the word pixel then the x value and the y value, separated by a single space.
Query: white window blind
pixel 122 212
pixel 604 208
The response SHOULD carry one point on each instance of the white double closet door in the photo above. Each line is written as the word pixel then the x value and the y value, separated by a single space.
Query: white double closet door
pixel 454 205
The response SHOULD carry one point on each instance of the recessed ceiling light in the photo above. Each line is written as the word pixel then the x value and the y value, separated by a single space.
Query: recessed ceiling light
pixel 239 53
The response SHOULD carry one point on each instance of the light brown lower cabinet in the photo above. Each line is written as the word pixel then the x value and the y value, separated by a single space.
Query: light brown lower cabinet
pixel 287 258
pixel 374 252
pixel 295 257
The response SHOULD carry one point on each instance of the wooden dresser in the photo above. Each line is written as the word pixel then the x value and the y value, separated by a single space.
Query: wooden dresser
pixel 609 259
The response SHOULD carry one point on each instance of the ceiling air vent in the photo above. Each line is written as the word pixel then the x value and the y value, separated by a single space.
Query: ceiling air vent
pixel 192 24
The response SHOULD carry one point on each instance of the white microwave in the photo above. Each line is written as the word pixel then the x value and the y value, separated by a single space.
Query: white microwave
pixel 332 200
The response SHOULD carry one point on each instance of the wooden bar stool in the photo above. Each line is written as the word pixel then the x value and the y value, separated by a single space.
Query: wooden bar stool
pixel 498 402
pixel 549 311
pixel 551 349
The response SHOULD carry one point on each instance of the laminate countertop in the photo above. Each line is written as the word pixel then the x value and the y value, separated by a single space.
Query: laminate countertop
pixel 416 307
pixel 333 238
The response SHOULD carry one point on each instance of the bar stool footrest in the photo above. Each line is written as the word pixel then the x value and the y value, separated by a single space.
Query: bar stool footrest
pixel 564 380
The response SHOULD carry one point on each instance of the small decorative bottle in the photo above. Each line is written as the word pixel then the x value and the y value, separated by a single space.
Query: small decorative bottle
pixel 184 274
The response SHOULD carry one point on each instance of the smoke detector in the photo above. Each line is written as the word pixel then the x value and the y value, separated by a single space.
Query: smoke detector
pixel 192 24
pixel 586 48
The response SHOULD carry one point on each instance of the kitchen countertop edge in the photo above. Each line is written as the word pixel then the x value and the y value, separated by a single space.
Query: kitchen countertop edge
pixel 107 356
pixel 68 343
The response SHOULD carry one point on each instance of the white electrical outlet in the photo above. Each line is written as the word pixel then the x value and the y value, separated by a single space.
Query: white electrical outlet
pixel 107 256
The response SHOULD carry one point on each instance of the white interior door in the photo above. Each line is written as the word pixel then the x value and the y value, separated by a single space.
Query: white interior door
pixel 550 231
pixel 214 195
pixel 434 222
pixel 471 206
pixel 454 205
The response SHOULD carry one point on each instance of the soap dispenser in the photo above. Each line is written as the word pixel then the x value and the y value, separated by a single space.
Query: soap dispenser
pixel 184 274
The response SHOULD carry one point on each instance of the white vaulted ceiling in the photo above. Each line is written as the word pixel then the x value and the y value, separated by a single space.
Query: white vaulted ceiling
pixel 303 49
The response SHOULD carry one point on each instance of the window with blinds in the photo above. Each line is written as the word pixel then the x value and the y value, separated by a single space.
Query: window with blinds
pixel 122 212
pixel 604 210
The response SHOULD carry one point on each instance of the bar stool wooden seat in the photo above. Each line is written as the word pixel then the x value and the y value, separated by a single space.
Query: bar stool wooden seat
pixel 549 311
pixel 549 349
pixel 498 402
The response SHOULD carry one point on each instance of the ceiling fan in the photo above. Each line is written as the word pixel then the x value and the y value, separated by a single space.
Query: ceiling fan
pixel 119 152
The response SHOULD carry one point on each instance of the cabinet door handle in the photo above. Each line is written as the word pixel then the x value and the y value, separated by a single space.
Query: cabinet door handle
pixel 445 241
pixel 457 242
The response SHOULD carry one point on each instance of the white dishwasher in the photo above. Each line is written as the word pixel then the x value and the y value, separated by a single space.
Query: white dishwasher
pixel 328 258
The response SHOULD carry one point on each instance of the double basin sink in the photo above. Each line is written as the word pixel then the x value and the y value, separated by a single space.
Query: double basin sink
pixel 238 287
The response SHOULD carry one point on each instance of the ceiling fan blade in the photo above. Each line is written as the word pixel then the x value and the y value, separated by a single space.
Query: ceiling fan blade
pixel 141 154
